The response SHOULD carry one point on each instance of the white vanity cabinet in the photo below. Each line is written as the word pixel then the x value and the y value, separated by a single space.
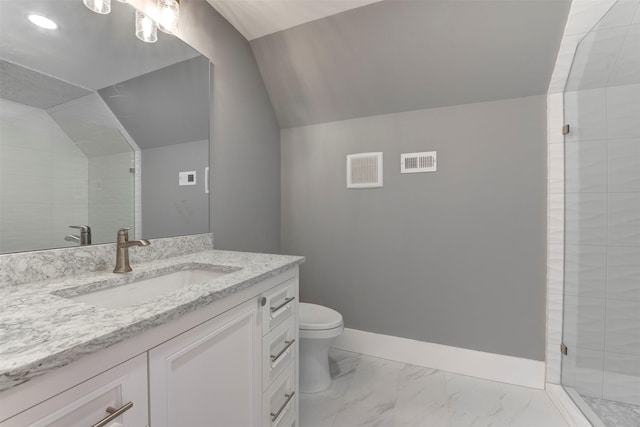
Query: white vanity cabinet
pixel 210 375
pixel 232 363
pixel 122 389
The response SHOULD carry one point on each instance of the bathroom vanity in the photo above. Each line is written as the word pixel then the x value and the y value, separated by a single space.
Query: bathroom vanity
pixel 216 352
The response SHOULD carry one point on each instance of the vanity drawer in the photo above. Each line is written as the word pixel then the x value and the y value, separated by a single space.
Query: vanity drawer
pixel 280 400
pixel 278 349
pixel 280 304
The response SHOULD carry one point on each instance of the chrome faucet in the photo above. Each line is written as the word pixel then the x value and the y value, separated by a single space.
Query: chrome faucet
pixel 122 250
pixel 84 238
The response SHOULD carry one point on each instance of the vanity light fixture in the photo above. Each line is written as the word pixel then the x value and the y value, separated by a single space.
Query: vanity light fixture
pixel 168 13
pixel 146 28
pixel 99 6
pixel 42 22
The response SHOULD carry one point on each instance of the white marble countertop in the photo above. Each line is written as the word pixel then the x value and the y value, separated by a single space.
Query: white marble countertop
pixel 40 331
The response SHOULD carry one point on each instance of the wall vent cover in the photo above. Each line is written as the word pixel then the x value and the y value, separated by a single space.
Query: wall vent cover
pixel 418 162
pixel 364 170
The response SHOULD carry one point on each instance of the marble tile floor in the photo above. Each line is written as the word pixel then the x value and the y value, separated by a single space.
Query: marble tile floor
pixel 614 414
pixel 367 391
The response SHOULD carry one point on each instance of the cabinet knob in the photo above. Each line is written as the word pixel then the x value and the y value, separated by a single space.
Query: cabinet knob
pixel 263 301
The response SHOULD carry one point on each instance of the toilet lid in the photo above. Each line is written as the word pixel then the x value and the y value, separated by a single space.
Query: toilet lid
pixel 317 317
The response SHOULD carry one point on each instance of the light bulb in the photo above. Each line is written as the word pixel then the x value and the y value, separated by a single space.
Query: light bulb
pixel 42 22
pixel 168 14
pixel 99 6
pixel 146 29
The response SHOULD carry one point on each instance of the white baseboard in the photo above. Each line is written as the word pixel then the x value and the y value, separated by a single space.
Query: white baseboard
pixel 568 408
pixel 490 366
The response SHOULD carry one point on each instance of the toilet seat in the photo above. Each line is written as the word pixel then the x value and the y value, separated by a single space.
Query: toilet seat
pixel 315 317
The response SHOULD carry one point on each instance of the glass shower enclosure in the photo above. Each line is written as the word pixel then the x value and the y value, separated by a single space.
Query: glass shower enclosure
pixel 601 325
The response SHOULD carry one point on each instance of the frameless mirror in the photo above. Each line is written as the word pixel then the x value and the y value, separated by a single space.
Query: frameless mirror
pixel 98 128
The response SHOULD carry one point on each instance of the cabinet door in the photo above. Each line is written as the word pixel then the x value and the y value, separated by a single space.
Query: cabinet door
pixel 211 374
pixel 86 404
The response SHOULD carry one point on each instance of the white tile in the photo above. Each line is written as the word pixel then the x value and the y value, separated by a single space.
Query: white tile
pixel 623 327
pixel 25 190
pixel 476 402
pixel 624 165
pixel 371 397
pixel 422 398
pixel 623 110
pixel 627 68
pixel 22 161
pixel 620 14
pixel 555 268
pixel 554 337
pixel 320 409
pixel 595 58
pixel 555 181
pixel 25 240
pixel 623 273
pixel 624 219
pixel 562 68
pixel 555 117
pixel 585 112
pixel 584 322
pixel 555 219
pixel 71 191
pixel 584 15
pixel 586 219
pixel 112 191
pixel 636 19
pixel 31 130
pixel 585 271
pixel 582 369
pixel 19 217
pixel 622 378
pixel 585 167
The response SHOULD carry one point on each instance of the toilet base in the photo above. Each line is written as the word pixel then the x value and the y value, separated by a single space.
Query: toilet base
pixel 314 363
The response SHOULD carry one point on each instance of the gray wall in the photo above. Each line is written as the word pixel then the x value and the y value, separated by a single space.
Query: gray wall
pixel 245 136
pixel 166 106
pixel 169 209
pixel 455 257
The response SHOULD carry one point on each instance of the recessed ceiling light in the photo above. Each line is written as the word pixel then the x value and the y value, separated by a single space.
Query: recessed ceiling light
pixel 42 22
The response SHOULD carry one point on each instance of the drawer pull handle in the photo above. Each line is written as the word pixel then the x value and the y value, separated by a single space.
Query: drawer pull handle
pixel 284 405
pixel 113 414
pixel 288 344
pixel 286 301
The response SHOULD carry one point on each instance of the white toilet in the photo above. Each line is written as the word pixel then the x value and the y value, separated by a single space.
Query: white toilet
pixel 319 326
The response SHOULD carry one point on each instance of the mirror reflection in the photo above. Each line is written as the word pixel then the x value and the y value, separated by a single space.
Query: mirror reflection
pixel 98 129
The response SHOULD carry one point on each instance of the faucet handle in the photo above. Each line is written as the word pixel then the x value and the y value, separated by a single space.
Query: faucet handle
pixel 82 228
pixel 123 234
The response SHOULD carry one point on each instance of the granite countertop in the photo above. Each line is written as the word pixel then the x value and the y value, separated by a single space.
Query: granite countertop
pixel 41 331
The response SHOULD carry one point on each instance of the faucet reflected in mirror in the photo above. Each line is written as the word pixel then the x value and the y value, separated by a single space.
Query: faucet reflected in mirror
pixel 122 250
pixel 83 239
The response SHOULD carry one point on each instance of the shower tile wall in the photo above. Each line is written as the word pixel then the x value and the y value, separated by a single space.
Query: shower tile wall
pixel 602 243
pixel 43 179
pixel 111 195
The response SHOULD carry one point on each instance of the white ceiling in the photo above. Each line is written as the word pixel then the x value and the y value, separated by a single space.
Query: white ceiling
pixel 257 18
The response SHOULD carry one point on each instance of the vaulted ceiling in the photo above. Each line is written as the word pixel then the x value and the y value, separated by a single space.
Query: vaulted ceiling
pixel 400 55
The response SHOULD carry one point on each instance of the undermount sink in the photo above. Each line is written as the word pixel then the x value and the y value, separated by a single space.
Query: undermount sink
pixel 146 289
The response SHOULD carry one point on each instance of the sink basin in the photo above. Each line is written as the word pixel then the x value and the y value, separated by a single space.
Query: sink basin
pixel 142 290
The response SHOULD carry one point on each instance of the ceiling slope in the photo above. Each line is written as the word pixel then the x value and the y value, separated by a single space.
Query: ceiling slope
pixel 257 18
pixel 401 55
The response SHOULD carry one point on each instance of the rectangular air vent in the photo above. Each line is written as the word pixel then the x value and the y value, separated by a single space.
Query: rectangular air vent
pixel 364 170
pixel 418 162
